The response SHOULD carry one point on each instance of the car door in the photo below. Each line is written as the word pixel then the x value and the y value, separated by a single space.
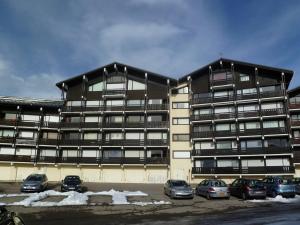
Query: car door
pixel 234 187
pixel 200 187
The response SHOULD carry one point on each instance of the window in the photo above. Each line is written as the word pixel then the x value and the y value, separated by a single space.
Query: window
pixel 115 86
pixel 247 91
pixel 251 144
pixel 30 117
pixel 228 163
pixel 269 89
pixel 273 124
pixel 110 103
pixel 92 119
pixel 114 136
pixel 69 153
pixel 115 79
pixel 96 86
pixel 225 127
pixel 296 134
pixel 204 145
pixel 155 101
pixel 253 163
pixel 222 94
pixel 72 136
pixel 90 136
pixel 222 76
pixel 73 119
pixel 138 102
pixel 7 133
pixel 249 125
pixel 10 116
pixel 135 119
pixel 155 154
pixel 154 118
pixel 181 121
pixel 247 108
pixel 7 151
pixel 207 163
pixel 87 153
pixel 134 154
pixel 295 117
pixel 50 118
pixel 272 105
pixel 134 85
pixel 183 90
pixel 206 111
pixel 26 134
pixel 180 105
pixel 202 128
pixel 114 119
pixel 224 110
pixel 112 154
pixel 276 142
pixel 181 154
pixel 50 135
pixel 134 136
pixel 181 137
pixel 93 103
pixel 156 136
pixel 73 103
pixel 226 145
pixel 278 162
pixel 244 77
pixel 25 151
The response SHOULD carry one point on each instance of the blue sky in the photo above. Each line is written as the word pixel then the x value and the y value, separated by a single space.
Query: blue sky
pixel 43 42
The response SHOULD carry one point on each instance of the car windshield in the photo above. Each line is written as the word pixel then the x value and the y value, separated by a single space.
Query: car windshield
pixel 218 183
pixel 253 183
pixel 34 178
pixel 72 179
pixel 284 181
pixel 179 183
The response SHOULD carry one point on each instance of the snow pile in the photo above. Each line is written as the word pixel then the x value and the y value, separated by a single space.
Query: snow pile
pixel 279 198
pixel 75 198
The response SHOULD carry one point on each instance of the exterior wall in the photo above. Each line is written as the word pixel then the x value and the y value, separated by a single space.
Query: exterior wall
pixel 104 174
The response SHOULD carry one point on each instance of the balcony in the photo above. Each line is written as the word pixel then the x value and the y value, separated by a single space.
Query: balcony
pixel 295 123
pixel 114 142
pixel 238 151
pixel 114 108
pixel 69 160
pixel 224 116
pixel 158 124
pixel 25 158
pixel 134 125
pixel 271 94
pixel 6 140
pixel 202 100
pixel 73 109
pixel 201 117
pixel 91 125
pixel 44 141
pixel 69 142
pixel 90 142
pixel 277 130
pixel 250 132
pixel 93 108
pixel 51 124
pixel 133 142
pixel 23 123
pixel 225 133
pixel 21 141
pixel 70 125
pixel 157 107
pixel 90 160
pixel 244 170
pixel 4 122
pixel 247 96
pixel 203 134
pixel 223 98
pixel 7 157
pixel 157 160
pixel 157 142
pixel 273 112
pixel 135 107
pixel 47 159
pixel 113 125
pixel 247 114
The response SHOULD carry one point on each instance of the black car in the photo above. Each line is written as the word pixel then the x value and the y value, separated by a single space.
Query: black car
pixel 248 188
pixel 72 183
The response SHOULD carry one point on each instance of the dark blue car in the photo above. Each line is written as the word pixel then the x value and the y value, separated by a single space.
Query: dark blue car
pixel 279 186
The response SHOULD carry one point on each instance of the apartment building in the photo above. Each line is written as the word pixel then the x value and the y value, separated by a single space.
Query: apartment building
pixel 119 123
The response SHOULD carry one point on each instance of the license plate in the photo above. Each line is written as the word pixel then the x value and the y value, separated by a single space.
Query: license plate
pixel 222 194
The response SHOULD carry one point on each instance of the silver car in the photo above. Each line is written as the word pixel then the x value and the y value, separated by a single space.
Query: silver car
pixel 213 189
pixel 178 189
pixel 35 183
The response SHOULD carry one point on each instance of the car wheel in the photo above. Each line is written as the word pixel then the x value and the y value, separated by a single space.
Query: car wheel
pixel 208 196
pixel 244 196
pixel 273 194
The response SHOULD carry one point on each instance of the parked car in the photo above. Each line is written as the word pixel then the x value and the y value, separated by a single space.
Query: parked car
pixel 72 183
pixel 279 186
pixel 178 189
pixel 9 218
pixel 296 181
pixel 247 188
pixel 213 189
pixel 35 183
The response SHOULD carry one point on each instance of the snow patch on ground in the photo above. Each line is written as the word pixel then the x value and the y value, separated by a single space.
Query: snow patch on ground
pixel 279 198
pixel 75 198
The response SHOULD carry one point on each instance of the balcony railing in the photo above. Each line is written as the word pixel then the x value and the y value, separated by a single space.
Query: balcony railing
pixel 271 112
pixel 277 130
pixel 48 141
pixel 157 106
pixel 68 125
pixel 157 142
pixel 225 133
pixel 294 105
pixel 91 125
pixel 8 140
pixel 25 158
pixel 114 108
pixel 133 142
pixel 112 125
pixel 202 117
pixel 90 142
pixel 224 116
pixel 29 123
pixel 8 122
pixel 239 151
pixel 296 141
pixel 203 134
pixel 222 82
pixel 115 92
pixel 50 124
pixel 295 122
pixel 26 141
pixel 158 124
pixel 134 125
pixel 135 107
pixel 247 114
pixel 270 94
pixel 47 159
pixel 247 96
pixel 69 142
pixel 244 170
pixel 250 132
pixel 73 108
pixel 7 157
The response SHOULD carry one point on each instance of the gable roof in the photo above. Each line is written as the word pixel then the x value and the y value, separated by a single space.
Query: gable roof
pixel 110 67
pixel 204 69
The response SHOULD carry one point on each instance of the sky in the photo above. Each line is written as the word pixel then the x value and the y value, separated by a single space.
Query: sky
pixel 43 42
